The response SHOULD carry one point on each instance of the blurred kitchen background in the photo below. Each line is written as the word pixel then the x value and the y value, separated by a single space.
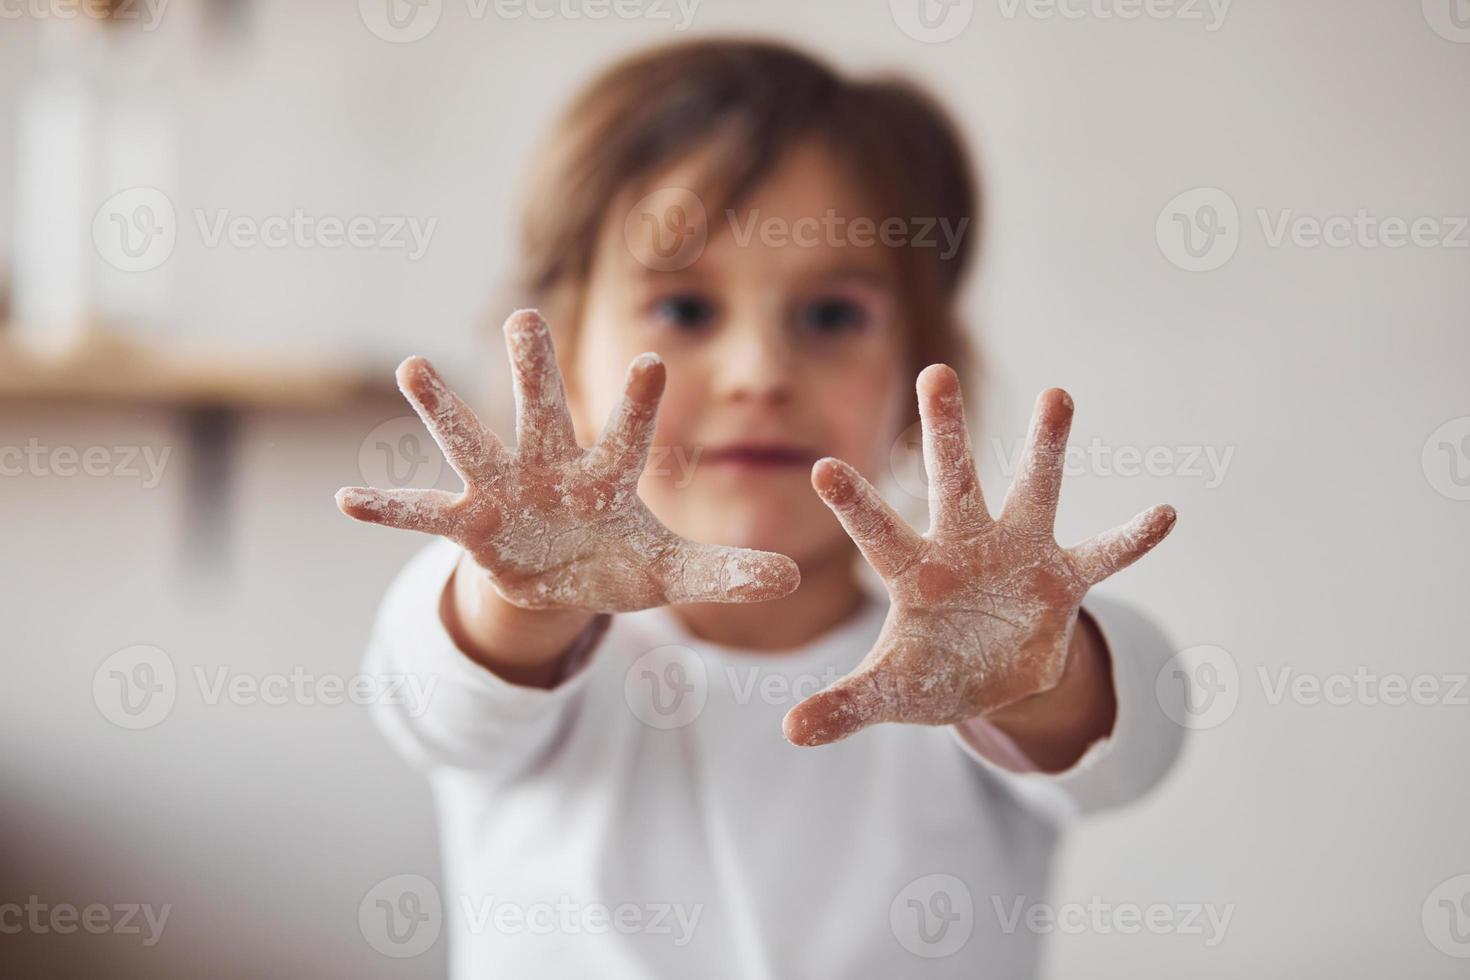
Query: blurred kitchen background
pixel 177 409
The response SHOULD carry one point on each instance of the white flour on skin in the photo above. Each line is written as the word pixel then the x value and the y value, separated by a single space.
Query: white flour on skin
pixel 552 524
pixel 982 610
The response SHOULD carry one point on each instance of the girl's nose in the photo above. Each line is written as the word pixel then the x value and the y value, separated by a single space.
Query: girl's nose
pixel 755 366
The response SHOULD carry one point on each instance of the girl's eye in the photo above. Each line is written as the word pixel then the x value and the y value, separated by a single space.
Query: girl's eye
pixel 684 312
pixel 832 316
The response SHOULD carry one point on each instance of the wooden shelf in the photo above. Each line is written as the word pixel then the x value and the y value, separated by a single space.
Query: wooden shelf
pixel 108 367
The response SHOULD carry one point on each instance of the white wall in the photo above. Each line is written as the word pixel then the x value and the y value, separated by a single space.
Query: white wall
pixel 1323 370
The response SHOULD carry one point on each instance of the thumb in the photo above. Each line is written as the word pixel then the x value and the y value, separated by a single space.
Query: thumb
pixel 850 705
pixel 713 573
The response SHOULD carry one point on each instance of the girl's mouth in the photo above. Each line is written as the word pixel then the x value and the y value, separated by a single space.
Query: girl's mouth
pixel 750 455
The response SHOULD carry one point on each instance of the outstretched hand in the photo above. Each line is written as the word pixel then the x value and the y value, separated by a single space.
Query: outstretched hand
pixel 554 525
pixel 982 609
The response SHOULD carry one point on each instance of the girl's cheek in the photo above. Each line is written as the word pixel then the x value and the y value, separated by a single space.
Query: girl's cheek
pixel 865 410
pixel 674 437
pixel 595 380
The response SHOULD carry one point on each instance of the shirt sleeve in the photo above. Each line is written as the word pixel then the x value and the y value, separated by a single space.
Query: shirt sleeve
pixel 1117 769
pixel 463 715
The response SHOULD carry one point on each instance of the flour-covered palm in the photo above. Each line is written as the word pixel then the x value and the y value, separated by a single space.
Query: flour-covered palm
pixel 554 525
pixel 982 610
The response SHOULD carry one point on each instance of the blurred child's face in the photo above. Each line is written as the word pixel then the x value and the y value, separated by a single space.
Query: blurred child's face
pixel 783 344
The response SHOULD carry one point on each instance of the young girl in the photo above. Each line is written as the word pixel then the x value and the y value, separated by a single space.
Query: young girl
pixel 634 663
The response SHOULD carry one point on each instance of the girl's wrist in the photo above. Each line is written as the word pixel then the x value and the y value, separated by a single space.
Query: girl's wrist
pixel 1056 727
pixel 523 646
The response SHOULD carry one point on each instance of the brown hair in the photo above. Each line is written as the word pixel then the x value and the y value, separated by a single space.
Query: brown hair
pixel 753 101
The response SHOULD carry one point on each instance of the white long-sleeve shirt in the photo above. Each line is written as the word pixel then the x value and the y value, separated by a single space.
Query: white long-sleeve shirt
pixel 645 817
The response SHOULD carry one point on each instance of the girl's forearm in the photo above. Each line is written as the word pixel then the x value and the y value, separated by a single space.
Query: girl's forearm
pixel 1056 727
pixel 522 646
